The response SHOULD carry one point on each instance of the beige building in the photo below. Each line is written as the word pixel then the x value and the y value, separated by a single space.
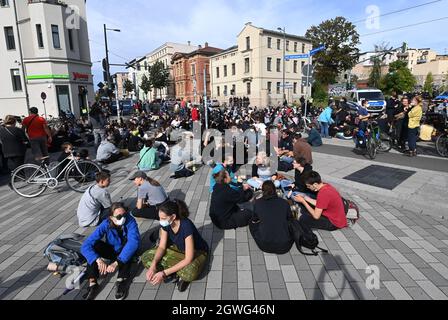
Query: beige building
pixel 438 67
pixel 164 54
pixel 44 49
pixel 254 67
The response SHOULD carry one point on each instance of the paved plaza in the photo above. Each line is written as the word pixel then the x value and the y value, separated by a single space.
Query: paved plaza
pixel 406 242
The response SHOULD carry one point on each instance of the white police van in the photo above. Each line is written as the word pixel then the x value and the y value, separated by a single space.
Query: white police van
pixel 377 102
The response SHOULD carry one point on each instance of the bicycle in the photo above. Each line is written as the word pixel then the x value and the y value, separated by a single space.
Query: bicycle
pixel 375 141
pixel 30 180
pixel 442 144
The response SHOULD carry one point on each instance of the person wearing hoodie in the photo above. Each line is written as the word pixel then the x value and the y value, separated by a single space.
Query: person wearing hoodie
pixel 326 120
pixel 112 246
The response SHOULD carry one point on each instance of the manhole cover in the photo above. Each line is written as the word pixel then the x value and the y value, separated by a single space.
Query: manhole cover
pixel 381 177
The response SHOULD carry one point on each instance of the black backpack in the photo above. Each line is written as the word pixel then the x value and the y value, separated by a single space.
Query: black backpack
pixel 305 238
pixel 65 252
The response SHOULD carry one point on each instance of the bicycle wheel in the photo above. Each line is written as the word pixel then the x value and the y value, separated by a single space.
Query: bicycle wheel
pixel 29 181
pixel 80 178
pixel 371 148
pixel 385 145
pixel 442 145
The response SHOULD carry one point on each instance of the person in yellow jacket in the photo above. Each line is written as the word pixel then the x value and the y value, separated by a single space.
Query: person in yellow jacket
pixel 415 114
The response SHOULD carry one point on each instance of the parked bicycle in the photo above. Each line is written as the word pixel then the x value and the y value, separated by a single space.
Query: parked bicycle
pixel 375 140
pixel 30 180
pixel 442 144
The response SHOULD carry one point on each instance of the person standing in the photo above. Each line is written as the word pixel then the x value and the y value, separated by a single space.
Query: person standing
pixel 415 116
pixel 14 143
pixel 39 134
pixel 326 120
pixel 98 122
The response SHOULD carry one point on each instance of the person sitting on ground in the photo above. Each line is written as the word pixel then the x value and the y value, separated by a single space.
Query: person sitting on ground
pixel 117 239
pixel 298 187
pixel 181 254
pixel 285 146
pixel 270 224
pixel 226 165
pixel 95 203
pixel 184 159
pixel 314 137
pixel 150 196
pixel 302 149
pixel 108 153
pixel 224 210
pixel 329 211
pixel 149 157
pixel 84 154
pixel 261 172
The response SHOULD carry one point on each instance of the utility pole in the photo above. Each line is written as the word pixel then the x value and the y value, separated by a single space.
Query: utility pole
pixel 284 62
pixel 22 64
pixel 205 99
pixel 107 57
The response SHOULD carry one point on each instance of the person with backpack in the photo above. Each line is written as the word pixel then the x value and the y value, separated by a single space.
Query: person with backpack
pixel 116 240
pixel 182 252
pixel 325 213
pixel 149 157
pixel 270 222
pixel 95 203
pixel 39 134
pixel 150 196
pixel 13 142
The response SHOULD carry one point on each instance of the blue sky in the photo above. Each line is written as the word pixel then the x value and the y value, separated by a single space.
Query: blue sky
pixel 147 24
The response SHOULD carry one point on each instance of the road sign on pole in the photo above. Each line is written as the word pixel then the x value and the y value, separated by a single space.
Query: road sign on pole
pixel 318 49
pixel 296 56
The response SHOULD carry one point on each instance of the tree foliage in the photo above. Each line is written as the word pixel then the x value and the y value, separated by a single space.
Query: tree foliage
pixel 128 86
pixel 399 79
pixel 159 75
pixel 429 82
pixel 145 85
pixel 341 40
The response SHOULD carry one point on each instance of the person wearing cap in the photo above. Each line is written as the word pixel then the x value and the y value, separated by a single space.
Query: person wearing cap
pixel 150 196
pixel 39 134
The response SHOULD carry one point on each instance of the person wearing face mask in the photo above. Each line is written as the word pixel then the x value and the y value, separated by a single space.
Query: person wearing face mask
pixel 325 213
pixel 121 242
pixel 415 114
pixel 182 252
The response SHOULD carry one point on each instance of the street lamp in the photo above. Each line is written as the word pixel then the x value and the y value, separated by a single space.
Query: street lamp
pixel 107 51
pixel 284 61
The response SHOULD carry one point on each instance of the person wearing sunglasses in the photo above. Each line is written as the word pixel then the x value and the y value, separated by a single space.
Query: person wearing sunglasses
pixel 116 252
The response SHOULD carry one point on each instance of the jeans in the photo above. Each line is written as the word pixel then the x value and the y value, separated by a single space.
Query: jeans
pixel 286 159
pixel 412 139
pixel 324 128
pixel 257 183
pixel 106 251
pixel 284 184
pixel 99 136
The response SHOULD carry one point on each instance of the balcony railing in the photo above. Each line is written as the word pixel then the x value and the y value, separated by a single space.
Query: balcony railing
pixel 56 2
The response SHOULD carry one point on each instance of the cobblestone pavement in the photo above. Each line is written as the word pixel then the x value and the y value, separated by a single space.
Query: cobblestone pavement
pixel 409 249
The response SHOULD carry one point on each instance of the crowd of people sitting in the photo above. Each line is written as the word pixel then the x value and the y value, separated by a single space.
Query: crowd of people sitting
pixel 266 201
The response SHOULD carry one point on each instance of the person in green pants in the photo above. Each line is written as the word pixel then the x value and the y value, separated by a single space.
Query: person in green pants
pixel 182 252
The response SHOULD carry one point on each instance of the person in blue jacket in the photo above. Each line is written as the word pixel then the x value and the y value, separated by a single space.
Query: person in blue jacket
pixel 326 120
pixel 120 245
pixel 226 165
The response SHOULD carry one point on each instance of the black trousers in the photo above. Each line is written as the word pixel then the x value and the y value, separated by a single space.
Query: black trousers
pixel 307 221
pixel 150 212
pixel 113 158
pixel 106 251
pixel 238 219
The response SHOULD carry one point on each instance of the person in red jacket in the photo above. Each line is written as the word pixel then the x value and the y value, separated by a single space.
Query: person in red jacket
pixel 38 133
pixel 195 114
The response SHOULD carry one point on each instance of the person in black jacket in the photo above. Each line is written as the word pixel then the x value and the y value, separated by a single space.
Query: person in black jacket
pixel 224 210
pixel 291 189
pixel 269 226
pixel 13 142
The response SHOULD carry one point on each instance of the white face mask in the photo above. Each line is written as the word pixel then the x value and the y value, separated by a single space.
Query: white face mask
pixel 119 223
pixel 165 223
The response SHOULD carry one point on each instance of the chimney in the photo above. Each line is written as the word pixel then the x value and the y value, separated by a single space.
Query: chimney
pixel 189 43
pixel 206 44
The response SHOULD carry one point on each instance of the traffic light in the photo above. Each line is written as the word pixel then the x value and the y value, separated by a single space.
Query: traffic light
pixel 404 47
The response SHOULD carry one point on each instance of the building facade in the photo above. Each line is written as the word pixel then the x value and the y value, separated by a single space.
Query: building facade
pixel 254 67
pixel 188 71
pixel 45 49
pixel 164 53
pixel 122 77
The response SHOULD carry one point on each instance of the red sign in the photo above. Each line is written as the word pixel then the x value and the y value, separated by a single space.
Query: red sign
pixel 80 76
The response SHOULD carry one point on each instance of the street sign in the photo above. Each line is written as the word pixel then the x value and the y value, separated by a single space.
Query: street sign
pixel 307 81
pixel 307 70
pixel 101 85
pixel 43 96
pixel 287 86
pixel 314 51
pixel 297 56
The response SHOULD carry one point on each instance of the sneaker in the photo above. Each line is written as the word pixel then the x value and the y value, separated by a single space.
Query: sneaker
pixel 182 285
pixel 93 292
pixel 122 290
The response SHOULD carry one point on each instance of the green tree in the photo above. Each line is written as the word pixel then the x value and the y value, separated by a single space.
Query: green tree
pixel 375 75
pixel 159 76
pixel 399 79
pixel 341 40
pixel 128 86
pixel 429 82
pixel 320 95
pixel 145 85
